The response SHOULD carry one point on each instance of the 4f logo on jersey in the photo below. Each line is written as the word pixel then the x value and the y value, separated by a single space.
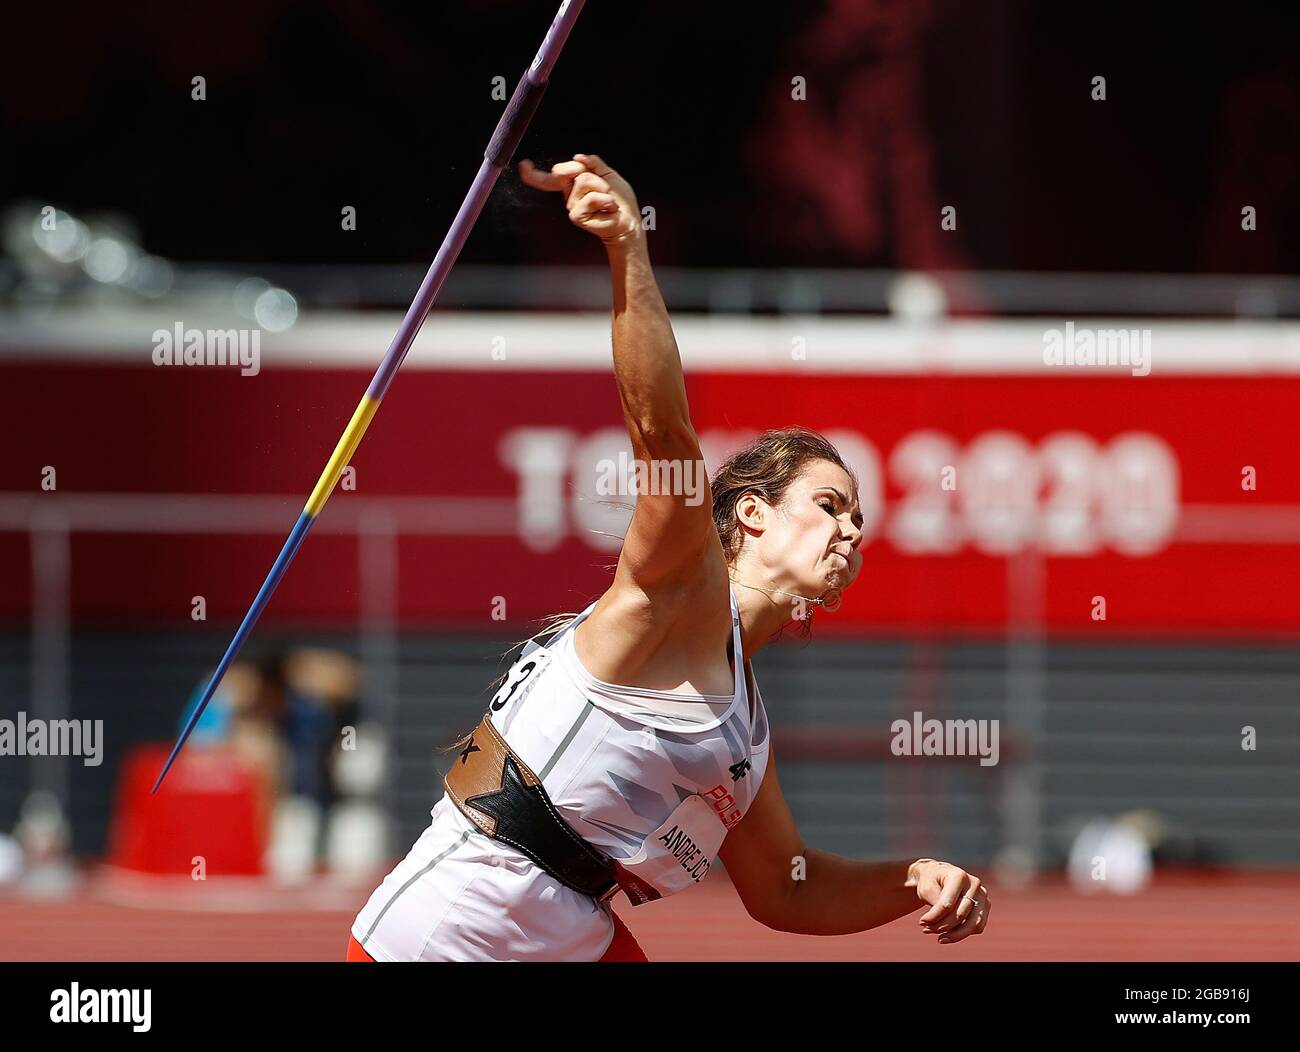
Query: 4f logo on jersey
pixel 739 770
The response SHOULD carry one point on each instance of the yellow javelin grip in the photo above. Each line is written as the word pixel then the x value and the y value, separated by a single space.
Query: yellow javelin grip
pixel 348 442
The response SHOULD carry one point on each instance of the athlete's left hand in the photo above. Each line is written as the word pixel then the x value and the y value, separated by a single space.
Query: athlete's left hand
pixel 959 902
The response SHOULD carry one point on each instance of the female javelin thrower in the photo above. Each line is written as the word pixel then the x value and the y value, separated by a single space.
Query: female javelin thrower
pixel 631 750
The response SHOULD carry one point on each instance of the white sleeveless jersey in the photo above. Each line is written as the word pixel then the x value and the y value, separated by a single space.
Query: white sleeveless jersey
pixel 652 778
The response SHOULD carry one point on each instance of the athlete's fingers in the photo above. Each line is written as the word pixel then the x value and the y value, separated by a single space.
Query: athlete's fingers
pixel 592 205
pixel 969 896
pixel 949 887
pixel 973 924
pixel 589 181
pixel 560 177
pixel 593 162
pixel 535 177
pixel 586 183
pixel 568 170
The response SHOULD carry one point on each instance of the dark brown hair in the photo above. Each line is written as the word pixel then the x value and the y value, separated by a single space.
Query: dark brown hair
pixel 767 466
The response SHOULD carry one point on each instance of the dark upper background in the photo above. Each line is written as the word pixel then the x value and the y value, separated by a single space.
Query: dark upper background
pixel 911 106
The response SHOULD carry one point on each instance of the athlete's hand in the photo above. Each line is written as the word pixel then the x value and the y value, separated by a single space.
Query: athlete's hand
pixel 599 200
pixel 959 903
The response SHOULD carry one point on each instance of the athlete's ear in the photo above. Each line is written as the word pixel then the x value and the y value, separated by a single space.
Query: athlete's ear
pixel 751 512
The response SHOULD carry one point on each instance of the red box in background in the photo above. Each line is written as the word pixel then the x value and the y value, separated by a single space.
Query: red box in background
pixel 211 812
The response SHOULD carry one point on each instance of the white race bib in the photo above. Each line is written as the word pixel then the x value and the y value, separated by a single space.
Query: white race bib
pixel 675 856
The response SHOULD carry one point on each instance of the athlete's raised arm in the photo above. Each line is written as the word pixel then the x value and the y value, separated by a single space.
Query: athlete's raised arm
pixel 672 525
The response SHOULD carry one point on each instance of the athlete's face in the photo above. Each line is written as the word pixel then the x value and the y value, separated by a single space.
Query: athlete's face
pixel 809 542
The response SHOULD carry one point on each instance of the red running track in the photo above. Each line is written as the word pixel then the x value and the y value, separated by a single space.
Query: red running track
pixel 1237 916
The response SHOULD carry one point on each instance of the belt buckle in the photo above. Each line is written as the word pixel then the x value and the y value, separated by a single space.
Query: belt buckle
pixel 609 894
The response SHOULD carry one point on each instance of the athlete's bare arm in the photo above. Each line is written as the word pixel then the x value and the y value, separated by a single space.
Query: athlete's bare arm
pixel 788 886
pixel 665 620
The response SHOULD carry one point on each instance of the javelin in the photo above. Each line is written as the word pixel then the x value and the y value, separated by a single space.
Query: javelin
pixel 505 140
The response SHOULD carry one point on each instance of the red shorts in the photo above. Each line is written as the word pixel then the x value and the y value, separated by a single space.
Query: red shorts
pixel 623 948
pixel 355 952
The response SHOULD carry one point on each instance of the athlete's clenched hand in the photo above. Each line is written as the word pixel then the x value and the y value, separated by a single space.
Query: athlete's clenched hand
pixel 959 902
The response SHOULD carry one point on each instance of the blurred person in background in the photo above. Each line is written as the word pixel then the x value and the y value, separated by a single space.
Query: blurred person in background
pixel 283 717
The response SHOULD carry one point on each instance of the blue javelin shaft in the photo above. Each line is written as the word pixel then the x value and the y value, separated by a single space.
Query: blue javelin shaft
pixel 505 140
